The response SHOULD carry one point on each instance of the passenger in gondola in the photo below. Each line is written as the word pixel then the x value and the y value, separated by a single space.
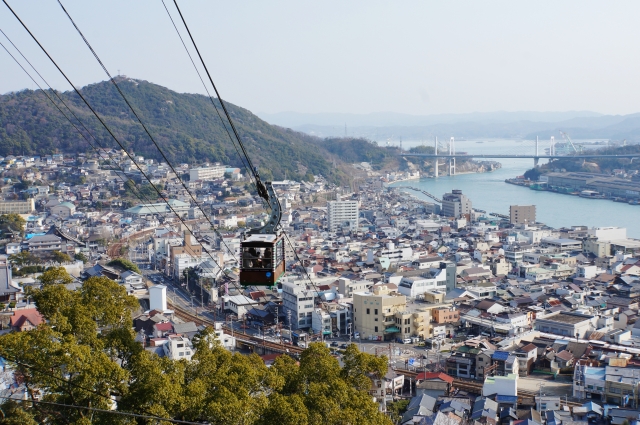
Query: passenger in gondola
pixel 267 259
pixel 250 258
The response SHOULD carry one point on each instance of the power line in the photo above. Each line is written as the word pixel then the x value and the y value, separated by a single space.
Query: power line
pixel 262 190
pixel 63 113
pixel 112 412
pixel 242 159
pixel 113 81
pixel 259 184
pixel 65 105
pixel 108 130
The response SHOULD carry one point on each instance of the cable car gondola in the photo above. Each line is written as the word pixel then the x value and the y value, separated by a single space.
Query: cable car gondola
pixel 262 249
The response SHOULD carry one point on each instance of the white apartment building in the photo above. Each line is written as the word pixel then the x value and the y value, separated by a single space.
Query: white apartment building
pixel 394 253
pixel 341 214
pixel 207 173
pixel 321 322
pixel 431 280
pixel 298 304
pixel 178 347
pixel 608 234
pixel 184 261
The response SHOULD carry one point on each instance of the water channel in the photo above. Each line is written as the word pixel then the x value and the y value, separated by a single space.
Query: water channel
pixel 489 192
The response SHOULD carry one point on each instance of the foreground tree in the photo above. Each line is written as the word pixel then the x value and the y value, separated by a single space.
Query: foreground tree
pixel 86 354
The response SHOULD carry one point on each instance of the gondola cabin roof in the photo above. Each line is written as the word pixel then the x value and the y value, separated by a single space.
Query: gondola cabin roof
pixel 260 238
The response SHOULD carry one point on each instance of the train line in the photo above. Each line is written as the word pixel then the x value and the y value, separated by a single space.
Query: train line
pixel 242 337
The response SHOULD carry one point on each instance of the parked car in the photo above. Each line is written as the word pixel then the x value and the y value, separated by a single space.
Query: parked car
pixel 335 344
pixel 344 346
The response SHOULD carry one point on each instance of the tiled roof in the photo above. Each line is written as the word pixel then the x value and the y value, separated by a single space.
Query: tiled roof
pixel 32 315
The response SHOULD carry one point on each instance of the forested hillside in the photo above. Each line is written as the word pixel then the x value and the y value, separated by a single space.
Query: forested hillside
pixel 186 127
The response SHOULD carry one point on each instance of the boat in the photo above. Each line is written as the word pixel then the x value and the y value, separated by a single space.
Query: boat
pixel 634 202
pixel 620 200
pixel 591 194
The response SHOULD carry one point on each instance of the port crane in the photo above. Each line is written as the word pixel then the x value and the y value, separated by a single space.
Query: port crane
pixel 566 137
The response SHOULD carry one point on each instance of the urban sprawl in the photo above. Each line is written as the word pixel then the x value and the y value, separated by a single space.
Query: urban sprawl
pixel 485 319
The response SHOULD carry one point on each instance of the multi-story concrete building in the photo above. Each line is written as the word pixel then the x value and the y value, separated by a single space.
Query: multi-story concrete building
pixel 17 207
pixel 455 204
pixel 298 304
pixel 178 347
pixel 592 245
pixel 445 315
pixel 431 280
pixel 397 253
pixel 522 214
pixel 211 172
pixel 375 313
pixel 567 324
pixel 561 244
pixel 342 214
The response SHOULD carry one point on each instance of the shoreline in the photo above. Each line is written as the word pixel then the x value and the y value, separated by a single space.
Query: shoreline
pixel 565 191
pixel 433 177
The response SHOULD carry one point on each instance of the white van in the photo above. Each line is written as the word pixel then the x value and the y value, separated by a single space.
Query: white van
pixel 406 341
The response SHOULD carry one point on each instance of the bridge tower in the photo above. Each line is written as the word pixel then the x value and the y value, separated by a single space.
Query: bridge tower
pixel 552 149
pixel 452 159
pixel 435 160
pixel 536 158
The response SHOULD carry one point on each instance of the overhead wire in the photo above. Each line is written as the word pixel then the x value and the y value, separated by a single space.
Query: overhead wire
pixel 102 122
pixel 73 384
pixel 100 154
pixel 112 412
pixel 126 100
pixel 262 190
pixel 137 193
pixel 259 184
pixel 145 128
pixel 215 107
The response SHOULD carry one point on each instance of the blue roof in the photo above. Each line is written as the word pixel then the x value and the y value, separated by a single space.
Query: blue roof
pixel 31 235
pixel 507 398
pixel 500 355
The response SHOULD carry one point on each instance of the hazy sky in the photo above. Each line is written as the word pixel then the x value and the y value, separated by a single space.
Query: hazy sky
pixel 418 57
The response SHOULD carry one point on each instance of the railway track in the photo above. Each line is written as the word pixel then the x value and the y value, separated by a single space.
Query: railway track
pixel 243 337
pixel 524 396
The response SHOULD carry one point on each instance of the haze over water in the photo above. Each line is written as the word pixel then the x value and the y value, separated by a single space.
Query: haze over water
pixel 489 192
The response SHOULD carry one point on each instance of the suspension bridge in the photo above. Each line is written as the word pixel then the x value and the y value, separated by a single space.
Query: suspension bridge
pixel 534 149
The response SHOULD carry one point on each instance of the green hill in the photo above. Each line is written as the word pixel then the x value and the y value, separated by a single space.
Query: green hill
pixel 185 126
pixel 593 165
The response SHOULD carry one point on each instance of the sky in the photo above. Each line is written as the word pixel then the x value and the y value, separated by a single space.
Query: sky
pixel 413 57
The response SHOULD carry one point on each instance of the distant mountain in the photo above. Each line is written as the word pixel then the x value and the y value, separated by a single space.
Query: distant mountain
pixel 516 125
pixel 185 126
pixel 390 119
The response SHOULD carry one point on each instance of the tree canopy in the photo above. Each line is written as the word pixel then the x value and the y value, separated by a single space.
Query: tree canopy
pixel 13 222
pixel 124 264
pixel 86 355
pixel 185 126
